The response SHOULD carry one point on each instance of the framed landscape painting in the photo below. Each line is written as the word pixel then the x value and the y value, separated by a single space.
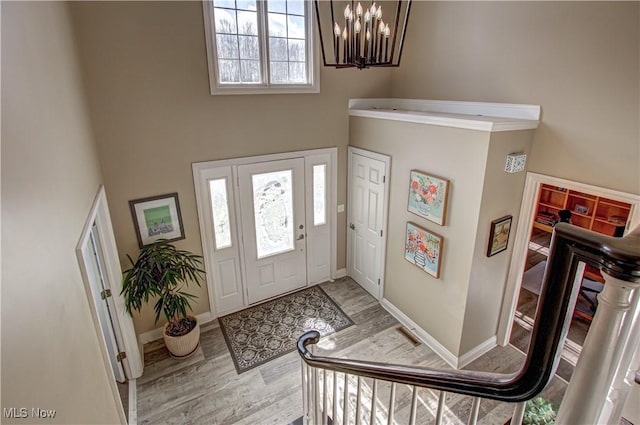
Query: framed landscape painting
pixel 157 217
pixel 423 249
pixel 428 196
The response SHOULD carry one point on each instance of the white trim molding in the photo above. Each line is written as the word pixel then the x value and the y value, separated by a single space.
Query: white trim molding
pixel 446 355
pixel 523 232
pixel 480 116
pixel 421 334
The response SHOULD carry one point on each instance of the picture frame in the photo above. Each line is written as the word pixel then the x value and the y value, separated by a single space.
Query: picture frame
pixel 423 249
pixel 428 196
pixel 156 218
pixel 499 235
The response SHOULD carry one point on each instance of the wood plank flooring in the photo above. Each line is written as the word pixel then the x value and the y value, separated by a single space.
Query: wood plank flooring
pixel 205 389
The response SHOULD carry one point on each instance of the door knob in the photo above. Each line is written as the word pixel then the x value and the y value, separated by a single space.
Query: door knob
pixel 300 237
pixel 352 226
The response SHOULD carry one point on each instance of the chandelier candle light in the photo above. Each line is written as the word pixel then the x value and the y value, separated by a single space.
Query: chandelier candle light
pixel 364 38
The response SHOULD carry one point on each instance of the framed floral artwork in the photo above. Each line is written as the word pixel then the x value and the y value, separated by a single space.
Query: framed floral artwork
pixel 423 249
pixel 428 196
pixel 499 235
pixel 156 218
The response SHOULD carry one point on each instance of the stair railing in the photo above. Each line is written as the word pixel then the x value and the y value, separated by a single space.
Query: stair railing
pixel 333 387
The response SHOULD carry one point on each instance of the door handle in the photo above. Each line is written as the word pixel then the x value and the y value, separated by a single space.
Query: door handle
pixel 352 226
pixel 301 237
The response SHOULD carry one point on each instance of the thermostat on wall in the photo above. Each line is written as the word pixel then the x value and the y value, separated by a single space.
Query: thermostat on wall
pixel 515 162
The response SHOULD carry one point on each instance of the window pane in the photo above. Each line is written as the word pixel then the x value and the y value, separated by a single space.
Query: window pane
pixel 277 25
pixel 295 7
pixel 297 72
pixel 297 50
pixel 224 3
pixel 273 212
pixel 277 6
pixel 250 71
pixel 279 72
pixel 225 21
pixel 249 48
pixel 247 5
pixel 319 194
pixel 278 49
pixel 220 213
pixel 248 23
pixel 229 71
pixel 296 27
pixel 227 46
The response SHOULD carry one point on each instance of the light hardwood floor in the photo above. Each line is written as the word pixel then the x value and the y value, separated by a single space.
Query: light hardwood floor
pixel 205 389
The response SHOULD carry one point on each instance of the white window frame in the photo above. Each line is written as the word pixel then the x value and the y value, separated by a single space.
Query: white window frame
pixel 313 61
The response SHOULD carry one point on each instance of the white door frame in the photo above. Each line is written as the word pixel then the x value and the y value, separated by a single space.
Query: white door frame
pixel 124 330
pixel 351 150
pixel 523 234
pixel 204 171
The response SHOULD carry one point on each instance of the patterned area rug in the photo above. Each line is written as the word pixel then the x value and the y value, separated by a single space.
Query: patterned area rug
pixel 269 330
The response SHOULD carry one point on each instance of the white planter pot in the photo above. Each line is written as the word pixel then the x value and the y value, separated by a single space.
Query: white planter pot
pixel 181 347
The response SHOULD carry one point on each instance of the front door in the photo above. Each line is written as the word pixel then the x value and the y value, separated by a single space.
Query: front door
pixel 272 208
pixel 366 221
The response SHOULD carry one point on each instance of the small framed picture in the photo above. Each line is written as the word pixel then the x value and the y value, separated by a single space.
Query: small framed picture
pixel 423 249
pixel 582 209
pixel 157 217
pixel 428 196
pixel 499 235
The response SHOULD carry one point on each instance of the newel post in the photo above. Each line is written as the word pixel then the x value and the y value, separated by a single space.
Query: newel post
pixel 595 376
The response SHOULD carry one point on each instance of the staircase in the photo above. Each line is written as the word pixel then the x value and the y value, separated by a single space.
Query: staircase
pixel 345 391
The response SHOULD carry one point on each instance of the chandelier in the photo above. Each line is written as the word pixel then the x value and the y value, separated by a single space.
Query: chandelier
pixel 363 34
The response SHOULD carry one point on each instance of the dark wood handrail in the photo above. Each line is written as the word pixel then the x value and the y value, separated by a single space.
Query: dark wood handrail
pixel 618 257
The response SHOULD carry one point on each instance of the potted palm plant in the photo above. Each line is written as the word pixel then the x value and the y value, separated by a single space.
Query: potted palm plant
pixel 164 272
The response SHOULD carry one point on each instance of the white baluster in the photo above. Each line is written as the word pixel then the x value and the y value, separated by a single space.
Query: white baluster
pixel 594 374
pixel 392 403
pixel 414 406
pixel 305 393
pixel 374 398
pixel 324 397
pixel 358 399
pixel 335 397
pixel 440 410
pixel 518 413
pixel 475 408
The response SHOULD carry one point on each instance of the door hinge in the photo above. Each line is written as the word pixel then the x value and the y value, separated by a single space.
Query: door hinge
pixel 380 233
pixel 121 356
pixel 378 281
pixel 384 179
pixel 105 294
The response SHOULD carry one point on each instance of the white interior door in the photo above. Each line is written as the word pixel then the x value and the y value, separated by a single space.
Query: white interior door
pixel 105 309
pixel 272 208
pixel 366 220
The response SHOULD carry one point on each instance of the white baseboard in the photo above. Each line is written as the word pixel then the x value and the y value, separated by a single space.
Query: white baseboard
pixel 477 351
pixel 431 342
pixel 339 273
pixel 420 333
pixel 133 403
pixel 156 333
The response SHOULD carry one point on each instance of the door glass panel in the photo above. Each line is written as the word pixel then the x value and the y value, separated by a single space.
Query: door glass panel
pixel 273 212
pixel 220 212
pixel 319 197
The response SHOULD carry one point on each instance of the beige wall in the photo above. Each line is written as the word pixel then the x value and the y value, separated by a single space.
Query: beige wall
pixel 579 60
pixel 436 305
pixel 501 196
pixel 146 71
pixel 50 174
